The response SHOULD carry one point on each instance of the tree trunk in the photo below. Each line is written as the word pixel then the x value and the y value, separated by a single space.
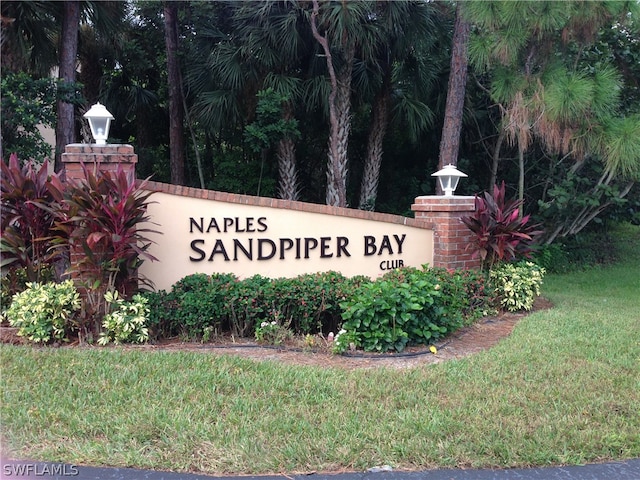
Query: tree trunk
pixel 176 114
pixel 495 160
pixel 65 127
pixel 450 141
pixel 288 182
pixel 288 188
pixel 338 155
pixel 373 160
pixel 521 178
pixel 339 116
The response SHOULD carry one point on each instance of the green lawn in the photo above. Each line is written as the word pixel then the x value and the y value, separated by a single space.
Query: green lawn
pixel 564 388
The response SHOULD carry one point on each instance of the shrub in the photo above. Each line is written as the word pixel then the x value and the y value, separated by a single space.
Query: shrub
pixel 249 301
pixel 517 284
pixel 100 217
pixel 161 319
pixel 27 223
pixel 395 310
pixel 272 333
pixel 14 280
pixel 44 311
pixel 409 306
pixel 406 306
pixel 501 233
pixel 127 321
pixel 311 302
pixel 465 296
pixel 201 303
pixel 553 258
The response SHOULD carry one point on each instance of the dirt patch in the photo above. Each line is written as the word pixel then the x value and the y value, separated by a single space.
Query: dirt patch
pixel 469 340
pixel 10 335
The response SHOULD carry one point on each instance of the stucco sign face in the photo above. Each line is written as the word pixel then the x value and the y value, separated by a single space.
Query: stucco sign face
pixel 206 236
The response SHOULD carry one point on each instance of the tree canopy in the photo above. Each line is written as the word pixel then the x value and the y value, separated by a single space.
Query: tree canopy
pixel 345 102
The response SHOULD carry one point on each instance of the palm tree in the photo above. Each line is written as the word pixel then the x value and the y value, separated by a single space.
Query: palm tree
pixel 274 29
pixel 65 127
pixel 341 29
pixel 29 30
pixel 404 71
pixel 263 52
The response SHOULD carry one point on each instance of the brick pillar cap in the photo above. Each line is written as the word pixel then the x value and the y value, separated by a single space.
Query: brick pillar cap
pixel 436 203
pixel 442 198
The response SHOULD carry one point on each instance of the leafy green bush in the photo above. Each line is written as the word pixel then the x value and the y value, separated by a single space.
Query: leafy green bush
pixel 311 302
pixel 220 302
pixel 14 280
pixel 127 321
pixel 395 310
pixel 161 319
pixel 200 303
pixel 553 258
pixel 44 311
pixel 249 301
pixel 517 284
pixel 465 295
pixel 405 306
pixel 411 306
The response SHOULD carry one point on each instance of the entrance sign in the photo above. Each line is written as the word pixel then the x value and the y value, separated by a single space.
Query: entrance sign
pixel 205 231
pixel 215 232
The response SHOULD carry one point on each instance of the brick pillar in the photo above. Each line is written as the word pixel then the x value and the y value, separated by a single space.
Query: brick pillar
pixel 98 158
pixel 95 158
pixel 451 237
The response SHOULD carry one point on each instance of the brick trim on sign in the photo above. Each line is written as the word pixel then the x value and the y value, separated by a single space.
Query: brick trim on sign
pixel 279 203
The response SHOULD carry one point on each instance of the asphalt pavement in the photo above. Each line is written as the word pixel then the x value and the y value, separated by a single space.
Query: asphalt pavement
pixel 622 470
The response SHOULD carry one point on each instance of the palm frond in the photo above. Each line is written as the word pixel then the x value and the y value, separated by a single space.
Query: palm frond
pixel 291 87
pixel 416 115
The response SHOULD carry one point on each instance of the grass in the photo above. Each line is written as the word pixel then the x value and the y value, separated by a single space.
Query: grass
pixel 564 388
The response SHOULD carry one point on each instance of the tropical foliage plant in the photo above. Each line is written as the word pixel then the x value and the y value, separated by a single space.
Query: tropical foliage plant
pixel 406 306
pixel 44 312
pixel 517 284
pixel 126 321
pixel 501 233
pixel 99 220
pixel 27 225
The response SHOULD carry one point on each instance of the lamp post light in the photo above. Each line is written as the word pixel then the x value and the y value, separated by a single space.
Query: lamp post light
pixel 99 122
pixel 448 178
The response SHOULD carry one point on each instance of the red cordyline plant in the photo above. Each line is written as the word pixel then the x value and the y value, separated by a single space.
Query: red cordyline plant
pixel 26 226
pixel 501 233
pixel 100 219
